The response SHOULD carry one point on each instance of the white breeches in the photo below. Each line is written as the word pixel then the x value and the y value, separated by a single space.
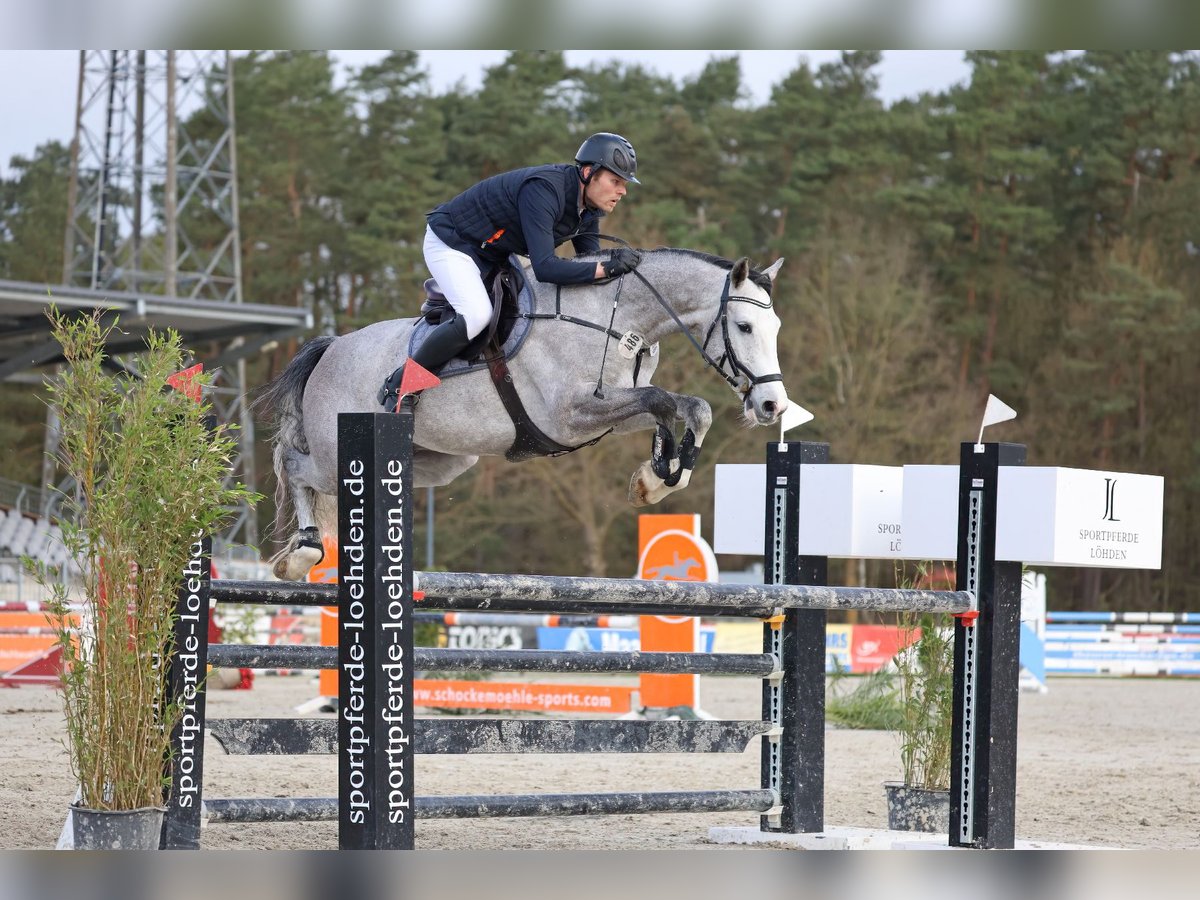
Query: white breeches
pixel 458 277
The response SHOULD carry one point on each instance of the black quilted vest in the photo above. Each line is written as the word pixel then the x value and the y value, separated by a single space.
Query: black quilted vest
pixel 484 221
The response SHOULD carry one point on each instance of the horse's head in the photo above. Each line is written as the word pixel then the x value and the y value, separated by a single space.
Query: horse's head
pixel 750 329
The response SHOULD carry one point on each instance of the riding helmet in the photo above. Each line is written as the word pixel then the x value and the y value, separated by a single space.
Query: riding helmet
pixel 609 151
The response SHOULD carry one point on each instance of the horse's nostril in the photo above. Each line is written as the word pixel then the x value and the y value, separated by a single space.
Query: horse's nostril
pixel 769 407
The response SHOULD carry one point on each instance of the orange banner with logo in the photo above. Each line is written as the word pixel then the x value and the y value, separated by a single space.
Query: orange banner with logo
pixel 670 548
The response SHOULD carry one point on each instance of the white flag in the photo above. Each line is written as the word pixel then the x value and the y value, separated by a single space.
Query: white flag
pixel 794 415
pixel 995 411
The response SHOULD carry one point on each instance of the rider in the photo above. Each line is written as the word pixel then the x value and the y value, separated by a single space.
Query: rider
pixel 526 211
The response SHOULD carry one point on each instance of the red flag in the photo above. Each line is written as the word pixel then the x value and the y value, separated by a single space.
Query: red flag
pixel 185 383
pixel 417 378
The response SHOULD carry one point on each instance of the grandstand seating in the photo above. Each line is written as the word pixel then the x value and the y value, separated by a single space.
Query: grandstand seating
pixel 25 535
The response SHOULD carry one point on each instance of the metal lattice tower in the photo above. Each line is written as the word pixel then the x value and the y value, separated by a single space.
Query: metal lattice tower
pixel 153 205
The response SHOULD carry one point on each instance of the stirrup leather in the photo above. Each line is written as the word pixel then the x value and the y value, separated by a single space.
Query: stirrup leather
pixel 389 393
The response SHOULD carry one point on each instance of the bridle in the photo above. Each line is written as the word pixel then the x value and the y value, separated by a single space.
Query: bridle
pixel 739 377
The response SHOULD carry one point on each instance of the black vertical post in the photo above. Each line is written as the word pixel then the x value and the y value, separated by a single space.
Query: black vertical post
pixel 793 762
pixel 376 806
pixel 983 774
pixel 188 667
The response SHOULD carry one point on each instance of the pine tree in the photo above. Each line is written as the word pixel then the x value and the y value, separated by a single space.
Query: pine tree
pixel 33 216
pixel 388 184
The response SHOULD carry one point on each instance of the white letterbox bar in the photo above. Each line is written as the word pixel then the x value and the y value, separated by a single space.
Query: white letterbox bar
pixel 1080 517
pixel 850 511
pixel 929 512
pixel 847 511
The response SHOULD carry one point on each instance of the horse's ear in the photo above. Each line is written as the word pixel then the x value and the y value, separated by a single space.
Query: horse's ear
pixel 741 271
pixel 774 269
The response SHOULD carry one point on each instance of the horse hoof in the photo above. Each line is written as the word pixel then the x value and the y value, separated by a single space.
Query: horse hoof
pixel 637 493
pixel 645 488
pixel 293 565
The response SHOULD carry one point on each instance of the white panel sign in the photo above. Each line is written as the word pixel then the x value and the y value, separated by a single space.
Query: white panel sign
pixel 929 512
pixel 738 508
pixel 1049 516
pixel 850 511
pixel 845 510
pixel 1080 517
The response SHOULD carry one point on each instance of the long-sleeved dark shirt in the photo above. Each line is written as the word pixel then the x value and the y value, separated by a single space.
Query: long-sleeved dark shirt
pixel 526 211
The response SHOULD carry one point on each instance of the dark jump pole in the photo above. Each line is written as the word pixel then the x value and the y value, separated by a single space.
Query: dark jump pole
pixel 983 767
pixel 189 664
pixel 793 761
pixel 377 806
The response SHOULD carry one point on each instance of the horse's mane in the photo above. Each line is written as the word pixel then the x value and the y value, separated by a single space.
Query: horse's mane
pixel 721 262
pixel 763 281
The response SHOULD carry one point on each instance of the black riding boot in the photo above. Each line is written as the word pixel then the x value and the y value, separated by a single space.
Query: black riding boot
pixel 440 346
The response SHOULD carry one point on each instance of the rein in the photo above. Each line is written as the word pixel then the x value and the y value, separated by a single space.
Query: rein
pixel 730 355
pixel 722 317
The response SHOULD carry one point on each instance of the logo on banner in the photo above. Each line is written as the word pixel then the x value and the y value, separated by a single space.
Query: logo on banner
pixel 1110 500
pixel 679 570
pixel 672 550
pixel 676 555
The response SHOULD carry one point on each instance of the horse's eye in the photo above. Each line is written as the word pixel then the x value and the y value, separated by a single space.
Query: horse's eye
pixel 744 327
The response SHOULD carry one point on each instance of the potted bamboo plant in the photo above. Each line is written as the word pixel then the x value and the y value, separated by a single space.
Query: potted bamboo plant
pixel 150 478
pixel 924 672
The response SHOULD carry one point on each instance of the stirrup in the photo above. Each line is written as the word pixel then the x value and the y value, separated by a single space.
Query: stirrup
pixel 388 393
pixel 389 397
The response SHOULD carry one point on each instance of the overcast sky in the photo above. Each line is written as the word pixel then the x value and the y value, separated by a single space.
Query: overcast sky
pixel 37 87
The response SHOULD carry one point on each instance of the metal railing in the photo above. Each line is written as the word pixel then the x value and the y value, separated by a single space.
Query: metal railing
pixel 18 586
pixel 24 498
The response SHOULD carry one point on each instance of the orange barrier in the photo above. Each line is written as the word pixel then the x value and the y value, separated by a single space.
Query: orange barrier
pixel 27 638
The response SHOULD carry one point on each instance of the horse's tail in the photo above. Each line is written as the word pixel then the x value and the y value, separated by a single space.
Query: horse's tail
pixel 280 404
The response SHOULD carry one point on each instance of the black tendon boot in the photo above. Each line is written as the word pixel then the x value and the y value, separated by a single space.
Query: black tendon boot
pixel 440 346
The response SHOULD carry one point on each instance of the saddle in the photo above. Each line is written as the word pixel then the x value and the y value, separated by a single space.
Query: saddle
pixel 504 286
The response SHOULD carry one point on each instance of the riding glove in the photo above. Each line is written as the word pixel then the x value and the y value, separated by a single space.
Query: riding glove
pixel 621 262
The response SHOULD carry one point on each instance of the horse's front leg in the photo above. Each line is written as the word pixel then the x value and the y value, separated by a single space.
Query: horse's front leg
pixel 669 467
pixel 664 474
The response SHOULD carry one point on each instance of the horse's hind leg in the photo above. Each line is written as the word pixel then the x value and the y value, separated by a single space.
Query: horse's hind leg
pixel 314 505
pixel 304 549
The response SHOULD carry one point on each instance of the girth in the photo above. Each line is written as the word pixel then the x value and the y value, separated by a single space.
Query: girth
pixel 530 441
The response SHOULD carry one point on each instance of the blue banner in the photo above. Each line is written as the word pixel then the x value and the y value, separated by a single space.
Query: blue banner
pixel 605 639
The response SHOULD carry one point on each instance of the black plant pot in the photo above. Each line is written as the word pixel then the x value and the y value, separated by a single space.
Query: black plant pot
pixel 103 829
pixel 917 809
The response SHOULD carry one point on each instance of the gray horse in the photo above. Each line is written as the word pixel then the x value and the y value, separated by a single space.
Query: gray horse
pixel 723 307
